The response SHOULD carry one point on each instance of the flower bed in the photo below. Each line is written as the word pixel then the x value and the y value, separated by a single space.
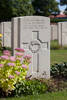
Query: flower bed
pixel 13 69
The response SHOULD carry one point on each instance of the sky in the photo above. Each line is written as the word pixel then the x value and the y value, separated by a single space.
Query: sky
pixel 61 7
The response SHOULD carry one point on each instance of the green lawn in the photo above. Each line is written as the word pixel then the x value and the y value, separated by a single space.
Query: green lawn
pixel 58 56
pixel 49 96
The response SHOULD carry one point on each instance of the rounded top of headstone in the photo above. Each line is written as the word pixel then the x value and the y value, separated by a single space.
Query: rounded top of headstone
pixel 35 17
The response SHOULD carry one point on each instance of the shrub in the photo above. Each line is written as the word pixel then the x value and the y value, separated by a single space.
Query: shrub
pixel 29 87
pixel 33 87
pixel 55 20
pixel 59 70
pixel 56 85
pixel 6 48
pixel 13 69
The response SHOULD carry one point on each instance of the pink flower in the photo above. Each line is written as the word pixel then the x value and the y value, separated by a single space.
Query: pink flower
pixel 19 54
pixel 12 58
pixel 1 65
pixel 19 59
pixel 11 76
pixel 5 57
pixel 29 62
pixel 20 50
pixel 6 52
pixel 24 66
pixel 27 57
pixel 11 64
pixel 18 73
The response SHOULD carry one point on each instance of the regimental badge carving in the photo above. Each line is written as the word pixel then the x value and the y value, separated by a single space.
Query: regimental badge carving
pixel 34 46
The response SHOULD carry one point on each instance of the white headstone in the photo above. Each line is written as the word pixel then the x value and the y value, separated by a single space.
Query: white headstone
pixel 6 31
pixel 34 36
pixel 14 34
pixel 54 32
pixel 62 32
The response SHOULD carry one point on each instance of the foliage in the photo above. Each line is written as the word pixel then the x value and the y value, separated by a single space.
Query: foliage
pixel 22 8
pixel 56 85
pixel 65 11
pixel 59 70
pixel 63 2
pixel 45 7
pixel 15 8
pixel 13 69
pixel 36 87
pixel 5 6
pixel 65 47
pixel 5 48
pixel 30 87
pixel 54 45
pixel 55 20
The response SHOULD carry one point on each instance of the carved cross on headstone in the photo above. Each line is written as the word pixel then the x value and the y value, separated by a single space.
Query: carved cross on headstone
pixel 35 46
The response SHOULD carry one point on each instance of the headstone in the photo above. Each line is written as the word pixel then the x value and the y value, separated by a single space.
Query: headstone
pixel 54 32
pixel 62 32
pixel 33 35
pixel 14 35
pixel 6 31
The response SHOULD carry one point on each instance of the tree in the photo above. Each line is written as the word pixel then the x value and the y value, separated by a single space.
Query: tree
pixel 5 10
pixel 22 7
pixel 45 7
pixel 63 2
pixel 13 8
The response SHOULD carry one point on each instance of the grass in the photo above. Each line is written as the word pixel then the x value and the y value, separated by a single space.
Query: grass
pixel 54 42
pixel 48 96
pixel 58 56
pixel 54 45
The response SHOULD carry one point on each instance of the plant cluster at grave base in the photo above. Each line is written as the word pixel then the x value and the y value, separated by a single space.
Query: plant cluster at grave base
pixel 56 85
pixel 13 69
pixel 59 70
pixel 36 87
pixel 30 87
